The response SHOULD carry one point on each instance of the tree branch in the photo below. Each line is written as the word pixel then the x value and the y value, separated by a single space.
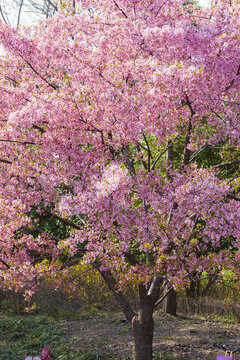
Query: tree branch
pixel 28 231
pixel 170 159
pixel 233 80
pixel 154 290
pixel 174 207
pixel 163 297
pixel 37 73
pixel 197 152
pixel 187 152
pixel 227 164
pixel 53 5
pixel 117 6
pixel 70 263
pixel 142 158
pixel 39 128
pixel 159 156
pixel 3 16
pixel 4 263
pixel 191 232
pixel 18 142
pixel 19 12
pixel 149 153
pixel 64 221
pixel 120 298
pixel 128 160
pixel 6 161
pixel 233 196
pixel 131 258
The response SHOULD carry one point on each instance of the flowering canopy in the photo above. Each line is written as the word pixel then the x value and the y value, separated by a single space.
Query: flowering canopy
pixel 92 100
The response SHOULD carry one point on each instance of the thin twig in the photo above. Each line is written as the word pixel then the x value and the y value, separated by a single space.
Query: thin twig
pixel 3 16
pixel 159 156
pixel 123 12
pixel 19 12
pixel 227 164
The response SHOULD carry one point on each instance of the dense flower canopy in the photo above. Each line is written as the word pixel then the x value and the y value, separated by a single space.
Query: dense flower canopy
pixel 92 100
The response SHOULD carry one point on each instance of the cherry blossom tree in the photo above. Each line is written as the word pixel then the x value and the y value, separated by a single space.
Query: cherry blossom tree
pixel 105 111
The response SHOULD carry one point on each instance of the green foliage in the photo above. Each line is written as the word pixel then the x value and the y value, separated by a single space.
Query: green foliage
pixel 22 336
pixel 47 223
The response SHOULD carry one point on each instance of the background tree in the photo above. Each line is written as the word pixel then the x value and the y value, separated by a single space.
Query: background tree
pixel 14 12
pixel 91 102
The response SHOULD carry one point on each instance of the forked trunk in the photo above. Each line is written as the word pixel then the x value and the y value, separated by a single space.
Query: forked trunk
pixel 142 334
pixel 142 323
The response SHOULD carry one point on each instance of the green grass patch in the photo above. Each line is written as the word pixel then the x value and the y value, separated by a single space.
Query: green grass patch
pixel 27 335
pixel 22 336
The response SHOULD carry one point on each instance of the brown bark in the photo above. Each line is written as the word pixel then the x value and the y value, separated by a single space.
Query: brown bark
pixel 141 322
pixel 170 303
pixel 142 334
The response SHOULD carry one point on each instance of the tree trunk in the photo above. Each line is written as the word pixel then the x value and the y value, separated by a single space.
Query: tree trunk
pixel 170 303
pixel 142 334
pixel 142 323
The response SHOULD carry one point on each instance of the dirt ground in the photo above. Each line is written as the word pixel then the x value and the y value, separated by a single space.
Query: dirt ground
pixel 188 337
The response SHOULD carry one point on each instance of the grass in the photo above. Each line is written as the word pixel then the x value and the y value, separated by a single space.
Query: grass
pixel 27 335
pixel 22 336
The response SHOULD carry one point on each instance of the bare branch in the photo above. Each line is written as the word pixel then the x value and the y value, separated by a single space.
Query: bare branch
pixel 123 12
pixel 36 228
pixel 3 16
pixel 53 5
pixel 141 157
pixel 160 8
pixel 159 156
pixel 19 12
pixel 197 152
pixel 143 147
pixel 227 164
pixel 131 258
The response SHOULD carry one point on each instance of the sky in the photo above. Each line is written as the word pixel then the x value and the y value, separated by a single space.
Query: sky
pixel 11 7
pixel 204 2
